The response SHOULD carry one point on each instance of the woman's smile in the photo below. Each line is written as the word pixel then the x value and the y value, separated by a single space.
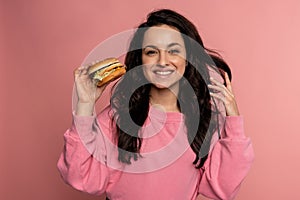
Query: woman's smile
pixel 163 73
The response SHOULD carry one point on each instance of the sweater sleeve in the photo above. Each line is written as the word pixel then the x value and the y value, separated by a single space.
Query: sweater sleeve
pixel 82 164
pixel 228 163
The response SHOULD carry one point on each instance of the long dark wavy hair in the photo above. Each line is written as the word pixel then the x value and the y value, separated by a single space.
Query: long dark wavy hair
pixel 131 94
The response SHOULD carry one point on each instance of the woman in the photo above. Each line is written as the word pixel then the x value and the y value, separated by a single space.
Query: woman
pixel 162 136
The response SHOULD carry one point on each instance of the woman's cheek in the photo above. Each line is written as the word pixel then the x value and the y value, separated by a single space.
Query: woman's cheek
pixel 146 69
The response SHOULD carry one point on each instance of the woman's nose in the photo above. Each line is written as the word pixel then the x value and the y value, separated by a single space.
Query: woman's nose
pixel 163 58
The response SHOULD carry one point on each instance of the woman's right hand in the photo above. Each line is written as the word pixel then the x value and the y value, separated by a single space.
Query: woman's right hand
pixel 87 91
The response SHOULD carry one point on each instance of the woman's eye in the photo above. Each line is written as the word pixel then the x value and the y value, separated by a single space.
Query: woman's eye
pixel 174 51
pixel 151 52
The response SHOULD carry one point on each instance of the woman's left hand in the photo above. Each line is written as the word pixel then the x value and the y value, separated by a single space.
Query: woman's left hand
pixel 225 94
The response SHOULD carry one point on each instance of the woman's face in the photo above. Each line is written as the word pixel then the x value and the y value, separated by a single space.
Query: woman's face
pixel 163 56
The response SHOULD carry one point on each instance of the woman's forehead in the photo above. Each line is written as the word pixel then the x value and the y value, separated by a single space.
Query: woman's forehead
pixel 162 36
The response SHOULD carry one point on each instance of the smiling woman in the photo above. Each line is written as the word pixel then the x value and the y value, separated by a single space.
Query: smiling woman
pixel 161 137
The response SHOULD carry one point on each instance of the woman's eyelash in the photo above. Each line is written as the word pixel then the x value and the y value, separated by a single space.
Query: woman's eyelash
pixel 171 51
pixel 174 51
pixel 150 52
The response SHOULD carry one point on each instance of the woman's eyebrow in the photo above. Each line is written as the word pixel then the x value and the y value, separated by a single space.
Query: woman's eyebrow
pixel 150 46
pixel 169 45
pixel 174 44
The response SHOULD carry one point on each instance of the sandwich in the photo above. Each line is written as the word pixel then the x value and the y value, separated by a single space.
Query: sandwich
pixel 106 71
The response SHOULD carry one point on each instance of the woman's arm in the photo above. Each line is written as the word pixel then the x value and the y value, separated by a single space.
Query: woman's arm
pixel 82 163
pixel 230 159
pixel 228 163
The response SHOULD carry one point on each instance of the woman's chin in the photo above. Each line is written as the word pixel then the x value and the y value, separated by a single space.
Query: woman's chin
pixel 165 85
pixel 160 86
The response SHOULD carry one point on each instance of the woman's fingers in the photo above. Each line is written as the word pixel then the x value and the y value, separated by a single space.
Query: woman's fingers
pixel 228 83
pixel 221 87
pixel 82 70
pixel 218 96
pixel 217 82
pixel 87 89
pixel 217 89
pixel 225 94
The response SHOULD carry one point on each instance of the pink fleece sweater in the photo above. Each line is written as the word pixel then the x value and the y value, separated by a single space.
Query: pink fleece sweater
pixel 164 171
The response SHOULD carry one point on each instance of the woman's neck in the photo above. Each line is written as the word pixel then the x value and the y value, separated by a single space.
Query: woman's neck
pixel 165 98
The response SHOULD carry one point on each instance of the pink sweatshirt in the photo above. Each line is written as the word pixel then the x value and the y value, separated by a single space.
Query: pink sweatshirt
pixel 164 171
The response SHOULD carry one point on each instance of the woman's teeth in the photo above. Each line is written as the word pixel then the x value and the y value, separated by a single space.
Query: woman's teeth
pixel 163 72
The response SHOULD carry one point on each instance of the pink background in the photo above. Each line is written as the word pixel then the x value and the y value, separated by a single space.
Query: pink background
pixel 43 41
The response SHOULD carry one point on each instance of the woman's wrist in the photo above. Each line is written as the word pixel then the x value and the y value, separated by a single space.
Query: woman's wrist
pixel 85 109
